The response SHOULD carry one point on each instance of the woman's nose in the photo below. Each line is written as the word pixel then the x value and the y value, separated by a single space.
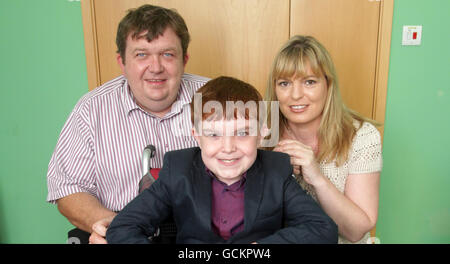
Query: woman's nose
pixel 297 91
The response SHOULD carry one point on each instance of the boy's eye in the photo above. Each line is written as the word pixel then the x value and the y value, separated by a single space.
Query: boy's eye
pixel 210 134
pixel 242 133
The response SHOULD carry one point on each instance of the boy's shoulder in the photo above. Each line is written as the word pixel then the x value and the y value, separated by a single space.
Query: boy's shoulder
pixel 270 155
pixel 186 152
pixel 183 156
pixel 276 163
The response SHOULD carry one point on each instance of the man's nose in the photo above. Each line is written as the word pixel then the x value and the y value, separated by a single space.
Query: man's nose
pixel 154 65
pixel 228 144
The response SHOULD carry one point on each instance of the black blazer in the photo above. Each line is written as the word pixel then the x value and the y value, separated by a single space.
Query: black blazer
pixel 277 210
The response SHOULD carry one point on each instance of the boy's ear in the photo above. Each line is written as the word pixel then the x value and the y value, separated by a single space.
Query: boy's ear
pixel 195 135
pixel 264 132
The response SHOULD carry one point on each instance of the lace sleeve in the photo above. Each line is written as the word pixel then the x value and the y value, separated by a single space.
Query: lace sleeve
pixel 365 156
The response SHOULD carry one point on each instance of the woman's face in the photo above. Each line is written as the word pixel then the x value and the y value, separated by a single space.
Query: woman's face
pixel 302 98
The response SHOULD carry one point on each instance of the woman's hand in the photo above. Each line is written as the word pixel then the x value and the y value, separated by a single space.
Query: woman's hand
pixel 302 159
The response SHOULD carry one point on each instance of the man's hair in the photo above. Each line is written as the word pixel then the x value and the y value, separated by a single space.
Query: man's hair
pixel 154 20
pixel 221 90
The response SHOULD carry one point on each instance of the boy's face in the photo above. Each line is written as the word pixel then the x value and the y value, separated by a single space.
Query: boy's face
pixel 229 147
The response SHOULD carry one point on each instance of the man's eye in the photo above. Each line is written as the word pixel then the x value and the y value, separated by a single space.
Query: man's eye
pixel 141 55
pixel 167 54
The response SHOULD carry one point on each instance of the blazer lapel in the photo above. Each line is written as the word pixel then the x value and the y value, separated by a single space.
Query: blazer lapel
pixel 202 192
pixel 253 194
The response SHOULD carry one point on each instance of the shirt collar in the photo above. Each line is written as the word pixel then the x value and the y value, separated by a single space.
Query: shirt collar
pixel 127 98
pixel 235 185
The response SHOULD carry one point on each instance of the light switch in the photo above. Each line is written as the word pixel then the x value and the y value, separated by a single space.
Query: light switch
pixel 412 35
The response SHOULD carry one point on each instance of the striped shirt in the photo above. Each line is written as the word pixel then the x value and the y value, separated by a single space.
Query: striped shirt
pixel 100 147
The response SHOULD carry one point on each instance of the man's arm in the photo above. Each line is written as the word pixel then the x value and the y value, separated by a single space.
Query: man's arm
pixel 83 210
pixel 140 218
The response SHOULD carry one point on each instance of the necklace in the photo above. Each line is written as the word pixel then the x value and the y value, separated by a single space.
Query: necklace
pixel 314 145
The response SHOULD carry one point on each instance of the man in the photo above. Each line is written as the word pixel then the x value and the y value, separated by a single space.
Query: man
pixel 95 168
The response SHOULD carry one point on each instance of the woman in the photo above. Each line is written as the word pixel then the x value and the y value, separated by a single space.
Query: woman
pixel 335 152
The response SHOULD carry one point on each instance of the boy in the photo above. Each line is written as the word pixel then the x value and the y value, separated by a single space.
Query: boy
pixel 226 191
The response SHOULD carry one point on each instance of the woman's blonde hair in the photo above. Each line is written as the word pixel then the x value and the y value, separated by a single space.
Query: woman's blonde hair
pixel 337 128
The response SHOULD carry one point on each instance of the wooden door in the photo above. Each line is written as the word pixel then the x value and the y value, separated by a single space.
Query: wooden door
pixel 349 31
pixel 240 39
pixel 233 38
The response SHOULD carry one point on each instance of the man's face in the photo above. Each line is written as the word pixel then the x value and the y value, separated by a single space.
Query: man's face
pixel 153 70
pixel 229 147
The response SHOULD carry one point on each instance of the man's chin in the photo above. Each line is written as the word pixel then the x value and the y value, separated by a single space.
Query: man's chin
pixel 158 108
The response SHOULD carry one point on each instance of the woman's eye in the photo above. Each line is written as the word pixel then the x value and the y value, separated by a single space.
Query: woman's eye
pixel 310 82
pixel 282 83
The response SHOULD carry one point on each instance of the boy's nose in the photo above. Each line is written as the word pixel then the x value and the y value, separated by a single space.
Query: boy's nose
pixel 228 144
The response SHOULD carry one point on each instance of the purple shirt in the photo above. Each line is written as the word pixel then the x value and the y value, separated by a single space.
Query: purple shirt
pixel 227 206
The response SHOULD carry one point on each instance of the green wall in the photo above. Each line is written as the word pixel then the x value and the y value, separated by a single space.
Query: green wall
pixel 415 182
pixel 43 74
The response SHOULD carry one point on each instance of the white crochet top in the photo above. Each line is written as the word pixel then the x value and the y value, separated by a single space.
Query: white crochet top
pixel 364 157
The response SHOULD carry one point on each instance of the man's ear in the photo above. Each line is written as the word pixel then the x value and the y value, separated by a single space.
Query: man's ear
pixel 185 59
pixel 121 62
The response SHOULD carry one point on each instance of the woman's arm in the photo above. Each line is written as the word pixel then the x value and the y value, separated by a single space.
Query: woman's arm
pixel 356 210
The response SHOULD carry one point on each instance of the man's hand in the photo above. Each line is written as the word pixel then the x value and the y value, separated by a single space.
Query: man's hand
pixel 99 230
